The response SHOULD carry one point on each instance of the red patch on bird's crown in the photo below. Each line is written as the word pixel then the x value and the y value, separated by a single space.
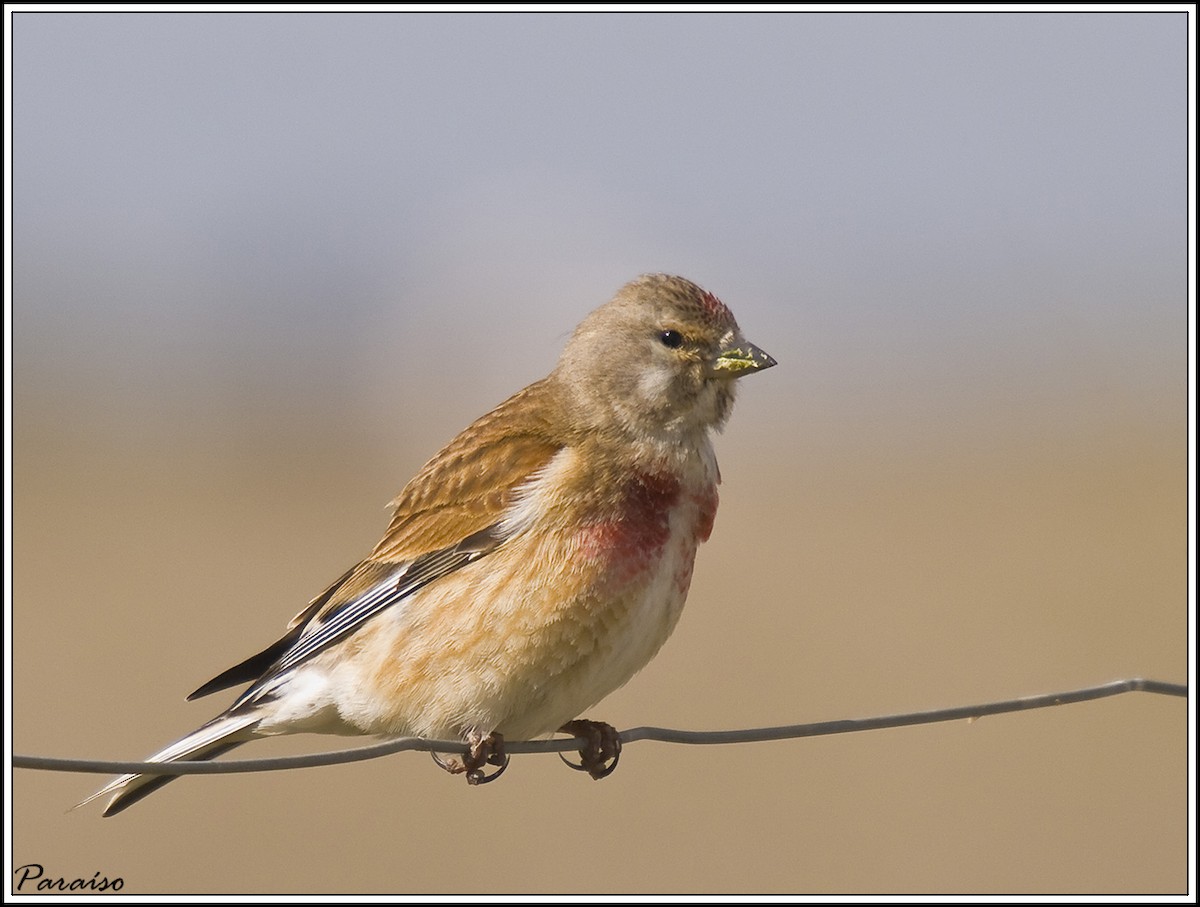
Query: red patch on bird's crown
pixel 715 309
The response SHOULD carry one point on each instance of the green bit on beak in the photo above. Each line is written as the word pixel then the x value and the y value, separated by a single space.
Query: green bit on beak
pixel 741 359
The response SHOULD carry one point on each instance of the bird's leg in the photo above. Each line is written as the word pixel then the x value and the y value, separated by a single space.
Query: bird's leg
pixel 485 749
pixel 602 744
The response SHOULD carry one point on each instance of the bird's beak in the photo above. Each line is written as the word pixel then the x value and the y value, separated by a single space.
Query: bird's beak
pixel 741 358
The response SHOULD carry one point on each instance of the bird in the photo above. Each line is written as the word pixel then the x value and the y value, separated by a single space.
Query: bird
pixel 530 568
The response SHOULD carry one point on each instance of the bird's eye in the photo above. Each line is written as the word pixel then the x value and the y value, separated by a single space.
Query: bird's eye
pixel 672 339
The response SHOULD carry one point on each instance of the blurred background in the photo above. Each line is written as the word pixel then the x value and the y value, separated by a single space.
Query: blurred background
pixel 265 265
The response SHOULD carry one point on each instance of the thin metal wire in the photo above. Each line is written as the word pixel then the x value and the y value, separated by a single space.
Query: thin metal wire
pixel 562 745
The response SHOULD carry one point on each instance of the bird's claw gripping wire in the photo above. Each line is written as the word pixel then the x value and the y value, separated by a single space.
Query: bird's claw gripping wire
pixel 484 750
pixel 601 750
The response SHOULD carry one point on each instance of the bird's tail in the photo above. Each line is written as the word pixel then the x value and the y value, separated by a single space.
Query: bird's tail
pixel 218 736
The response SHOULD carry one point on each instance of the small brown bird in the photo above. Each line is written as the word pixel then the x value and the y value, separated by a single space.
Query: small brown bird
pixel 530 568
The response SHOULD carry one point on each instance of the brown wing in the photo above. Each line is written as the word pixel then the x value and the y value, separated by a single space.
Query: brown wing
pixel 469 484
pixel 446 517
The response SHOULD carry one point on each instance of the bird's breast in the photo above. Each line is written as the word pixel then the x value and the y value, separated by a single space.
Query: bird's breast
pixel 627 539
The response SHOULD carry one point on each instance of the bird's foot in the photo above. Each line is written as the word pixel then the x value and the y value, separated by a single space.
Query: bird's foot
pixel 485 749
pixel 601 750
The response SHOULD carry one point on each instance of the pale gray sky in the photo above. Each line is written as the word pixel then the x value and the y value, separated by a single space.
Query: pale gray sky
pixel 915 213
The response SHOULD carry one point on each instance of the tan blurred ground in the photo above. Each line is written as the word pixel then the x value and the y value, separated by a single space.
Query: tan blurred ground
pixel 840 582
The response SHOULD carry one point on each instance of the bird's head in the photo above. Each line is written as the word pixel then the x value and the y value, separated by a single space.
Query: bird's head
pixel 657 362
